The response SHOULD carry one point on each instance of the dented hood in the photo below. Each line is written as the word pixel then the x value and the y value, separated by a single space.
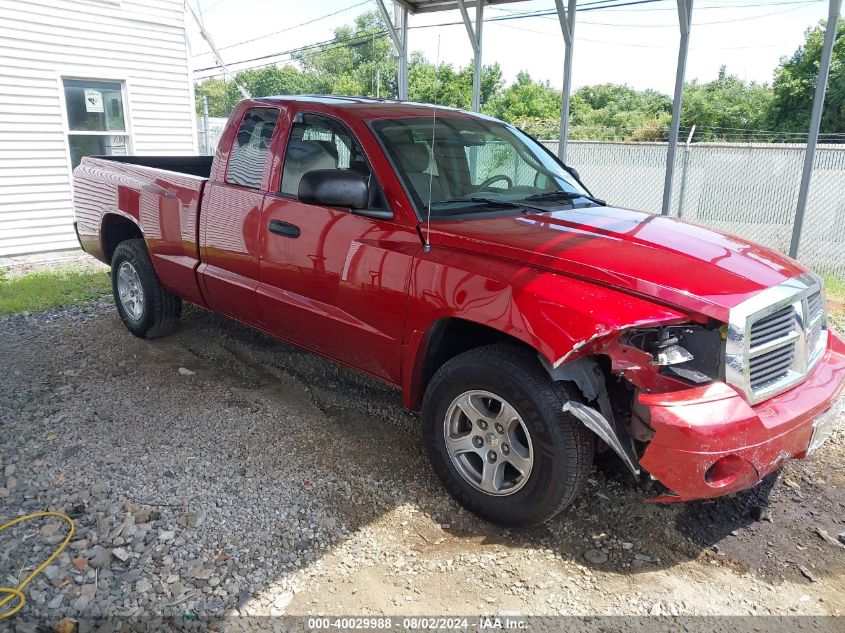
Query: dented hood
pixel 695 268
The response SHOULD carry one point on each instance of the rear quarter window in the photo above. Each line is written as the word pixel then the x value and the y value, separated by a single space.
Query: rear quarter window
pixel 251 146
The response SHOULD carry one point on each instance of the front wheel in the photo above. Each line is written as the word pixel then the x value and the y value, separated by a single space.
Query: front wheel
pixel 497 436
pixel 145 307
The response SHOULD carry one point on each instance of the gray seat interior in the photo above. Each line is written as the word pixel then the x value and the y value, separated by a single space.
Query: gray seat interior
pixel 304 156
pixel 414 159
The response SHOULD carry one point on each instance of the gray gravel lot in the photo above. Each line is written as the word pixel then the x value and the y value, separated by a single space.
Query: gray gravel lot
pixel 219 472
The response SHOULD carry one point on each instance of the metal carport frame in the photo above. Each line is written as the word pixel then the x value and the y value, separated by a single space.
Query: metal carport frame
pixel 834 9
pixel 398 31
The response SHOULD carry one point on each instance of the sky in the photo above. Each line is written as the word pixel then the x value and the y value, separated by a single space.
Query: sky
pixel 635 45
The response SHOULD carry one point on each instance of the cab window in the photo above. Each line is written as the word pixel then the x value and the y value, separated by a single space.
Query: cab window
pixel 251 147
pixel 317 142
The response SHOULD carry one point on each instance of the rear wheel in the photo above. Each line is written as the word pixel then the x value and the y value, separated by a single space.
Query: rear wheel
pixel 497 435
pixel 145 307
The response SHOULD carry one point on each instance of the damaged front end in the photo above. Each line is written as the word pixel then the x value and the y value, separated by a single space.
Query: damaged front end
pixel 612 370
pixel 658 397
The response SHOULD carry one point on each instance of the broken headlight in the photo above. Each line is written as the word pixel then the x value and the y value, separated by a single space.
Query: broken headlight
pixel 694 353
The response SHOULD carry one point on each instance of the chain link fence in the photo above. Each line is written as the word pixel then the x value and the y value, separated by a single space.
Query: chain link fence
pixel 208 139
pixel 748 189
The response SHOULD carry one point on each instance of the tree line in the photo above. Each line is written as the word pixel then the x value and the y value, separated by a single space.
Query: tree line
pixel 360 60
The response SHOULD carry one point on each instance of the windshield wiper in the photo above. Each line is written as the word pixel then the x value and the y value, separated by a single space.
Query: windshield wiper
pixel 560 194
pixel 506 204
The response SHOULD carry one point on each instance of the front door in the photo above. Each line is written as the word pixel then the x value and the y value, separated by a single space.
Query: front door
pixel 333 281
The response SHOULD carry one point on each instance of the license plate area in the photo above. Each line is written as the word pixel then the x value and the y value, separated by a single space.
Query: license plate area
pixel 825 424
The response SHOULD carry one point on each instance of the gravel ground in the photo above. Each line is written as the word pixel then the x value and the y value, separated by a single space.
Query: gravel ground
pixel 218 472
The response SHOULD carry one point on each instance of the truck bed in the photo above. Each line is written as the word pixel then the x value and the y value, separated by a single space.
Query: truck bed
pixel 160 196
pixel 191 165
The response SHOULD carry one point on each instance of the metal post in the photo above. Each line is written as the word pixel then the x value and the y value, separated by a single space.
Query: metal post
pixel 567 26
pixel 476 71
pixel 403 56
pixel 683 193
pixel 475 40
pixel 205 124
pixel 400 42
pixel 685 21
pixel 834 8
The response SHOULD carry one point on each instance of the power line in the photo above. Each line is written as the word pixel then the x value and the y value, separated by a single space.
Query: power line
pixel 424 26
pixel 700 24
pixel 552 13
pixel 324 45
pixel 289 28
pixel 209 7
pixel 515 16
pixel 512 15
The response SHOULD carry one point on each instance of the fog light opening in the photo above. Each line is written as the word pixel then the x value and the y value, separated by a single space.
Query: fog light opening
pixel 726 471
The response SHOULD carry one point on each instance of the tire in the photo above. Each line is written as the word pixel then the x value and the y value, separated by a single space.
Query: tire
pixel 154 311
pixel 552 447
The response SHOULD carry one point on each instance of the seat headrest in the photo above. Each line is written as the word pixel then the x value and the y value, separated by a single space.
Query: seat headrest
pixel 413 157
pixel 299 150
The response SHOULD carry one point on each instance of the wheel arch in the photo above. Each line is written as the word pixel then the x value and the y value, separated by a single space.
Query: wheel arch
pixel 114 229
pixel 588 373
pixel 444 339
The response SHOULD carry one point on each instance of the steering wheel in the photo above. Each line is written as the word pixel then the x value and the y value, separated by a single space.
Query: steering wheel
pixel 493 179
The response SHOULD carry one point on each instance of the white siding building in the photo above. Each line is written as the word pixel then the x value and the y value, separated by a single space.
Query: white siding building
pixel 83 77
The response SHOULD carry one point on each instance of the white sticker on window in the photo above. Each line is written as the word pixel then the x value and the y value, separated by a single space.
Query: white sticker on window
pixel 93 100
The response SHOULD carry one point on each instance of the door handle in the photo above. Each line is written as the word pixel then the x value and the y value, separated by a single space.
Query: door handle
pixel 285 229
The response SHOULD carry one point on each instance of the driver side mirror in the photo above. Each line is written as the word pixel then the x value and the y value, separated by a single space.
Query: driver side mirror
pixel 334 188
pixel 574 173
pixel 342 188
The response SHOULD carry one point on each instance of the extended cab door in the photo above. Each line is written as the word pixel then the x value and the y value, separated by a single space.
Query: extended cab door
pixel 231 214
pixel 333 281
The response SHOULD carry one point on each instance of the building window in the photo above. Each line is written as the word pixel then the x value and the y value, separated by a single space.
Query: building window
pixel 96 119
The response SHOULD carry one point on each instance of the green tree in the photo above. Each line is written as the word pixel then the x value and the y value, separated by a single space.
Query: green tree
pixel 446 86
pixel 721 107
pixel 531 105
pixel 222 96
pixel 262 82
pixel 525 99
pixel 273 80
pixel 619 112
pixel 358 61
pixel 795 84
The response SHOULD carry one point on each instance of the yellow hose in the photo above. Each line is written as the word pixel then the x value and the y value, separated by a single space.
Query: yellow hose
pixel 17 592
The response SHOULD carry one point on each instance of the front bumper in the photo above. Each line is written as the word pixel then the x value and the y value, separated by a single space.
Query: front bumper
pixel 708 441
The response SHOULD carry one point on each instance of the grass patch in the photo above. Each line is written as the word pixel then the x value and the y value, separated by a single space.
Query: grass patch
pixel 835 287
pixel 43 290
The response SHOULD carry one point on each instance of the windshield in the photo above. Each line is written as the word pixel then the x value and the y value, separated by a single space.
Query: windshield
pixel 471 165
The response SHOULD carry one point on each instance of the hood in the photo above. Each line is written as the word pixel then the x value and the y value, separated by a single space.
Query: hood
pixel 692 267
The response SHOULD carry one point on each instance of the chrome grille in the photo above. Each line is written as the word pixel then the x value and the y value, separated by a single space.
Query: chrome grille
pixel 815 305
pixel 771 366
pixel 772 327
pixel 775 338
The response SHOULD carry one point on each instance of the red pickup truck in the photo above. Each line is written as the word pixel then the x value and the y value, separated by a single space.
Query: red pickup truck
pixel 453 256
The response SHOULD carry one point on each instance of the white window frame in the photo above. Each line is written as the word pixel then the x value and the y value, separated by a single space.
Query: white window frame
pixel 124 100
